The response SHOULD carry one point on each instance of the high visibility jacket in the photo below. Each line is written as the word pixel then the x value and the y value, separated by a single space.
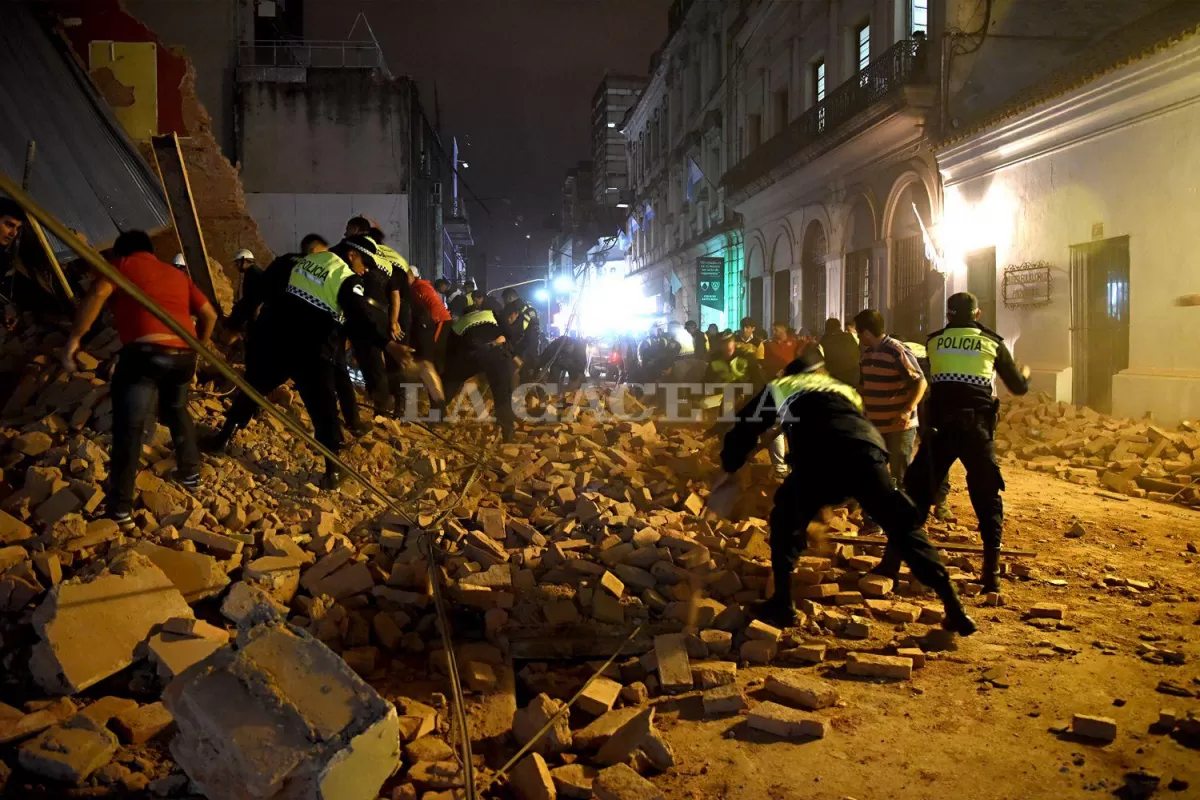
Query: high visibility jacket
pixel 317 279
pixel 528 316
pixel 473 318
pixel 963 355
pixel 784 389
pixel 389 260
pixel 735 370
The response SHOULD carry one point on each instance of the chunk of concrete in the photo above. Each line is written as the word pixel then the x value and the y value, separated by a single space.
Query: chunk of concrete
pixel 785 722
pixel 279 575
pixel 593 735
pixel 69 752
pixel 243 598
pixel 17 726
pixel 141 724
pixel 195 575
pixel 91 629
pixel 726 699
pixel 622 783
pixel 172 653
pixel 674 669
pixel 873 666
pixel 599 696
pixel 531 779
pixel 574 781
pixel 282 716
pixel 531 719
pixel 625 740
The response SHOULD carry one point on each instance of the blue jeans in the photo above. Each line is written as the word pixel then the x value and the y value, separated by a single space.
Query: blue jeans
pixel 900 445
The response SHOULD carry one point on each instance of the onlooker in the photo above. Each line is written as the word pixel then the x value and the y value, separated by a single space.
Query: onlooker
pixel 892 387
pixel 699 340
pixel 153 361
pixel 780 350
pixel 841 353
pixel 747 340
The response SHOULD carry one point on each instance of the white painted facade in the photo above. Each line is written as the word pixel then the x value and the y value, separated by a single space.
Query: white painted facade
pixel 1119 157
pixel 286 218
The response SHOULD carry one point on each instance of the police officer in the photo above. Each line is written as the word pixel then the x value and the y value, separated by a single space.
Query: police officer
pixel 524 335
pixel 300 331
pixel 477 345
pixel 835 454
pixel 963 357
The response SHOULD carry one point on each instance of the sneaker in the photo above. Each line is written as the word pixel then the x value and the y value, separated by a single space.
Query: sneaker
pixel 124 521
pixel 333 479
pixel 189 482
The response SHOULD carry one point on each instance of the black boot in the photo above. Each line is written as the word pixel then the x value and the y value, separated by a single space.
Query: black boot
pixel 889 567
pixel 334 477
pixel 990 574
pixel 956 620
pixel 219 441
pixel 778 610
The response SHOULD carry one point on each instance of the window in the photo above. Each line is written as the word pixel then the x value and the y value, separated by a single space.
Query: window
pixel 818 76
pixel 919 15
pixel 753 132
pixel 863 37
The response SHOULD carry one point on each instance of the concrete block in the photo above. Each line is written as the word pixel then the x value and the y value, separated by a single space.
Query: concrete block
pixel 787 723
pixel 222 545
pixel 808 653
pixel 416 719
pixel 172 653
pixel 801 690
pixel 1100 728
pixel 711 674
pixel 719 643
pixel 760 630
pixel 18 726
pixel 599 696
pixel 674 669
pixel 282 712
pixel 915 653
pixel 140 725
pixel 607 608
pixel 91 629
pixel 625 740
pixel 574 781
pixel 873 666
pixel 593 735
pixel 279 575
pixel 613 585
pixel 245 598
pixel 531 780
pixel 1048 611
pixel 531 719
pixel 724 700
pixel 758 651
pixel 195 575
pixel 657 752
pixel 108 707
pixel 875 586
pixel 622 783
pixel 69 752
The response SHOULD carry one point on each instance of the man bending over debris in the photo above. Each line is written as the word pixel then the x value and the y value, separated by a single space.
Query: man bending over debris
pixel 477 345
pixel 153 360
pixel 301 331
pixel 835 454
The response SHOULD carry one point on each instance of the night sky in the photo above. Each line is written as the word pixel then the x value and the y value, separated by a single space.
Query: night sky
pixel 515 79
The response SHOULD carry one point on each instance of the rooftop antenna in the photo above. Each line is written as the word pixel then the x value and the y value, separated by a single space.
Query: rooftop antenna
pixel 362 15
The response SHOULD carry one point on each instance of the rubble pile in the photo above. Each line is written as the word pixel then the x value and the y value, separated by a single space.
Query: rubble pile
pixel 568 540
pixel 1134 458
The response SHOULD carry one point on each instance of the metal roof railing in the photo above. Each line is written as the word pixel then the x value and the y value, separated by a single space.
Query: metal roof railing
pixel 304 53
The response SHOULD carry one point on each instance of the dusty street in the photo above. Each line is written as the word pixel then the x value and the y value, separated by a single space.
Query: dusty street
pixel 981 720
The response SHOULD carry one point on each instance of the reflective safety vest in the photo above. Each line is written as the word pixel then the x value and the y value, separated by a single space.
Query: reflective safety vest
pixel 789 386
pixel 687 345
pixel 389 260
pixel 317 278
pixel 528 316
pixel 473 318
pixel 732 371
pixel 963 355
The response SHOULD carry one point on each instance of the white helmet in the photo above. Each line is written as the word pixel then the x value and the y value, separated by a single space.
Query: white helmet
pixel 243 254
pixel 180 261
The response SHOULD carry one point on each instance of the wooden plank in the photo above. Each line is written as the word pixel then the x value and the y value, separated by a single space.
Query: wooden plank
pixel 168 158
pixel 950 547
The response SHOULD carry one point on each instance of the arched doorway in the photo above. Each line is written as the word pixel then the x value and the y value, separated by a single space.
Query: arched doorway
pixel 859 260
pixel 754 270
pixel 913 278
pixel 812 272
pixel 781 280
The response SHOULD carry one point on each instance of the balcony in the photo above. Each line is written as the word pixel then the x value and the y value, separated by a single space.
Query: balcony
pixel 456 224
pixel 895 85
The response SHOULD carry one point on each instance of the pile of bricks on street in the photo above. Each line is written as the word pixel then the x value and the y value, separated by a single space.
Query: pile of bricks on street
pixel 303 620
pixel 1135 458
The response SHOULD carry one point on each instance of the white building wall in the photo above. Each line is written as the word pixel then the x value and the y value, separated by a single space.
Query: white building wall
pixel 284 219
pixel 1118 158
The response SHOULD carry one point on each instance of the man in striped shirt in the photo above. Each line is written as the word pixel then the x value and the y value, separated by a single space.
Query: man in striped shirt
pixel 892 387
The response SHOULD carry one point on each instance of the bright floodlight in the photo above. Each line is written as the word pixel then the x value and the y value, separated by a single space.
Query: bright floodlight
pixel 541 295
pixel 562 283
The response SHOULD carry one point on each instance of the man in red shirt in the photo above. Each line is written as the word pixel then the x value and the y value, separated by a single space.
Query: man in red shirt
pixel 153 361
pixel 429 335
pixel 779 351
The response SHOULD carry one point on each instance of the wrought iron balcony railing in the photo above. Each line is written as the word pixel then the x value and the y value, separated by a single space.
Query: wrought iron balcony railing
pixel 904 64
pixel 302 53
